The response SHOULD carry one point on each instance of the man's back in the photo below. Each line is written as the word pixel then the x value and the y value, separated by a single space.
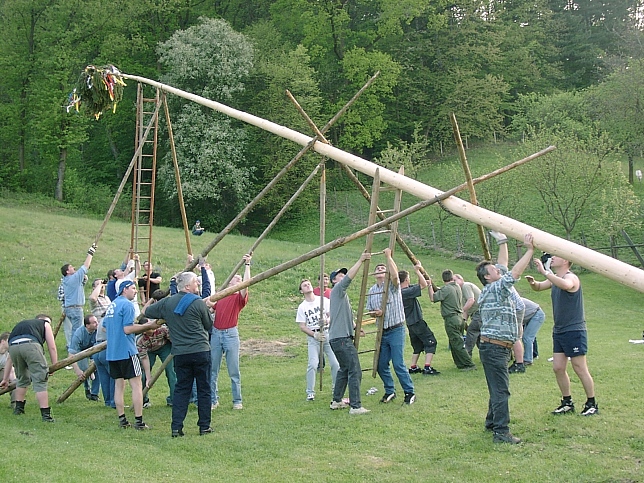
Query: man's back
pixel 188 332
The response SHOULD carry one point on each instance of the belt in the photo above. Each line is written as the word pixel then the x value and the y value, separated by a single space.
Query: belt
pixel 73 306
pixel 393 327
pixel 24 340
pixel 502 343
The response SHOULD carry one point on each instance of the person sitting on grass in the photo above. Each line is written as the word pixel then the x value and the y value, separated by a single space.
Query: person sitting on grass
pixel 197 229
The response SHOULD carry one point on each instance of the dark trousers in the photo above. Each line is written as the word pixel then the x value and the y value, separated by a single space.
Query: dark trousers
pixel 495 360
pixel 349 372
pixel 191 368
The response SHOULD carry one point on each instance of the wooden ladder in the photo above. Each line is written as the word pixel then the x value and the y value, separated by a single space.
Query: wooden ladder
pixel 364 318
pixel 144 177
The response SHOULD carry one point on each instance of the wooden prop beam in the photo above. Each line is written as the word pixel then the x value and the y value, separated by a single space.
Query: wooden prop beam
pixel 177 177
pixel 401 243
pixel 321 273
pixel 76 384
pixel 155 377
pixel 77 357
pixel 616 270
pixel 59 324
pixel 307 146
pixel 9 388
pixel 338 242
pixel 470 186
pixel 272 224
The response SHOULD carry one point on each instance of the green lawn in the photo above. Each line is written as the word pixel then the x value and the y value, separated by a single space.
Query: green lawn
pixel 279 436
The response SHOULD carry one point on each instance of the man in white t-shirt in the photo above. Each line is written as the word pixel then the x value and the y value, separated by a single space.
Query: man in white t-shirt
pixel 314 324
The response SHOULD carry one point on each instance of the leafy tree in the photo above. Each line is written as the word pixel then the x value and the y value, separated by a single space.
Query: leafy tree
pixel 279 67
pixel 570 179
pixel 211 60
pixel 618 104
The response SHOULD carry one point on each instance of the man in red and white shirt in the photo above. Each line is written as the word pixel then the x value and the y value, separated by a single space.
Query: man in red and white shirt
pixel 225 337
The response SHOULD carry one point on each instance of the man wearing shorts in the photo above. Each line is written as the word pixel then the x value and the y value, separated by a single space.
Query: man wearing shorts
pixel 420 335
pixel 569 335
pixel 122 355
pixel 26 354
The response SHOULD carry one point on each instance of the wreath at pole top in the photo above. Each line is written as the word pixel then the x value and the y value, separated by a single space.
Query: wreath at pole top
pixel 98 89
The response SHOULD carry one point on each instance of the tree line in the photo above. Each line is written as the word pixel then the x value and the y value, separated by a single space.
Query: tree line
pixel 545 69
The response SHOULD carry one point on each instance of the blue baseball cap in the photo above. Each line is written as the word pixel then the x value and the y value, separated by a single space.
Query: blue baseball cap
pixel 125 285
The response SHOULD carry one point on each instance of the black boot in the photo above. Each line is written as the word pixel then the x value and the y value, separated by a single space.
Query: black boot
pixel 46 415
pixel 19 408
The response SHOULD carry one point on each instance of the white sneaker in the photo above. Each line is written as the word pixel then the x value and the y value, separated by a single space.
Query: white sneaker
pixel 338 405
pixel 238 406
pixel 310 397
pixel 359 410
pixel 214 406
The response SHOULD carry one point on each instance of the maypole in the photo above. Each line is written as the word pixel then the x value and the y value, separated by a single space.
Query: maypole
pixel 616 270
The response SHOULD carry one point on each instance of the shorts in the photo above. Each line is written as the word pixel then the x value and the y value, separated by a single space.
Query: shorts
pixel 126 368
pixel 571 344
pixel 422 338
pixel 30 365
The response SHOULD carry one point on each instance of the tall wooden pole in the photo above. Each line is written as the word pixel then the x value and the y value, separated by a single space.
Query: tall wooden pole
pixel 321 275
pixel 620 272
pixel 470 186
pixel 177 177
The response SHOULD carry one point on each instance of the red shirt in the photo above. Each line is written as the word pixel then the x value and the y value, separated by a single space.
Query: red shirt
pixel 327 292
pixel 227 310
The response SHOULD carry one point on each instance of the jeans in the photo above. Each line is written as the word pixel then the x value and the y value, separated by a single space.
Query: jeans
pixel 170 375
pixel 473 333
pixel 189 368
pixel 107 383
pixel 495 360
pixel 530 333
pixel 391 349
pixel 91 385
pixel 314 361
pixel 349 372
pixel 454 331
pixel 226 342
pixel 75 316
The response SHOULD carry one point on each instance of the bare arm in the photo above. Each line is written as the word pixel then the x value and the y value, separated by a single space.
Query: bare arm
pixel 51 343
pixel 96 292
pixel 8 368
pixel 353 271
pixel 138 328
pixel 392 267
pixel 421 279
pixel 523 262
pixel 247 258
pixel 145 362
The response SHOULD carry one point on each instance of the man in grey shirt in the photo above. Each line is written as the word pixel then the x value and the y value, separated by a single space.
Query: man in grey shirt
pixel 341 333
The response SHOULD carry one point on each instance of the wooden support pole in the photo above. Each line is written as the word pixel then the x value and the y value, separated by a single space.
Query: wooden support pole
pixel 155 377
pixel 403 246
pixel 59 323
pixel 307 146
pixel 270 226
pixel 77 357
pixel 321 274
pixel 9 388
pixel 177 177
pixel 76 384
pixel 338 242
pixel 470 186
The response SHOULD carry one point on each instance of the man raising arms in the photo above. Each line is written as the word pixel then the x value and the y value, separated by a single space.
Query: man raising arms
pixel 569 336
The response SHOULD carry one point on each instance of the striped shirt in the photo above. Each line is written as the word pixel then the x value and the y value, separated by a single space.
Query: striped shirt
pixel 395 311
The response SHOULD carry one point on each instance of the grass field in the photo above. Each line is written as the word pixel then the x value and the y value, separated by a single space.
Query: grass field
pixel 279 436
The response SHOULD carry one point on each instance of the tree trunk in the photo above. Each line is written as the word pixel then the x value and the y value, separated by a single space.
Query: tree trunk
pixel 61 174
pixel 630 168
